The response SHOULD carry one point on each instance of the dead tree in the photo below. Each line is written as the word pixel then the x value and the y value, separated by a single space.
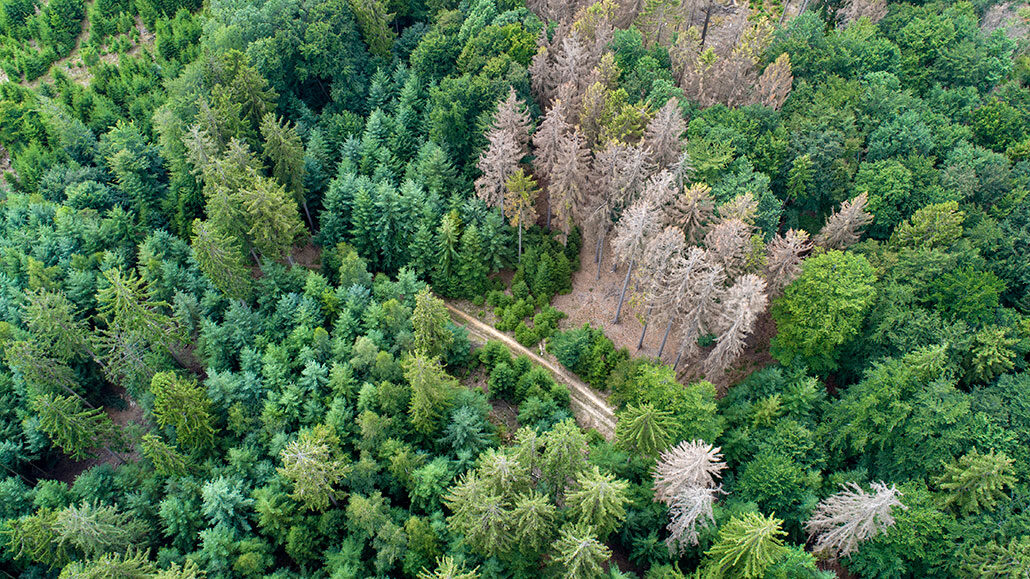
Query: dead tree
pixel 662 253
pixel 740 309
pixel 508 144
pixel 570 181
pixel 743 207
pixel 547 142
pixel 775 83
pixel 783 259
pixel 844 227
pixel 692 211
pixel 636 226
pixel 662 136
pixel 728 243
pixel 698 283
pixel 841 521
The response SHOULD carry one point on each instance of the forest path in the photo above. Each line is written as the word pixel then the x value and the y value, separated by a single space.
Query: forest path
pixel 590 408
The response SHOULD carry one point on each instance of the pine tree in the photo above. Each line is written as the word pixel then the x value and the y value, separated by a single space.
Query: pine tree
pixel 429 324
pixel 481 516
pixel 844 227
pixel 508 143
pixel 520 195
pixel 644 430
pixel 41 372
pixel 431 391
pixel 184 406
pixel 34 538
pixel 747 545
pixel 312 463
pixel 743 303
pixel 662 136
pixel 841 521
pixel 168 461
pixel 448 238
pixel 693 464
pixel 54 324
pixel 285 151
pixel 73 428
pixel 473 271
pixel 598 501
pixel 564 456
pixel 447 568
pixel 221 259
pixel 578 554
pixel 131 565
pixel 534 517
pixel 976 481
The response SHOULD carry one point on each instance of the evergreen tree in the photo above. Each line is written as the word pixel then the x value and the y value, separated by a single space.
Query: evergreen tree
pixel 598 501
pixel 285 151
pixel 313 465
pixel 221 259
pixel 167 460
pixel 520 195
pixel 976 481
pixel 473 271
pixel 578 554
pixel 643 429
pixel 73 428
pixel 431 391
pixel 429 324
pixel 184 406
pixel 534 518
pixel 747 545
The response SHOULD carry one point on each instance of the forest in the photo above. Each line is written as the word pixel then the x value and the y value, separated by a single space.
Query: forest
pixel 459 289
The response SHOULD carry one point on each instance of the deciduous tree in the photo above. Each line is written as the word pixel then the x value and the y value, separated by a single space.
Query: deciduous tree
pixel 520 195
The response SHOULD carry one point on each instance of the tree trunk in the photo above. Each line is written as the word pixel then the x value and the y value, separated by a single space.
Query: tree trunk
pixel 520 242
pixel 664 338
pixel 254 256
pixel 678 356
pixel 597 258
pixel 114 454
pixel 548 225
pixel 307 213
pixel 708 17
pixel 622 296
pixel 640 343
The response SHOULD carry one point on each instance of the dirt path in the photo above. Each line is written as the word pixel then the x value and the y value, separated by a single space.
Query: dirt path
pixel 590 408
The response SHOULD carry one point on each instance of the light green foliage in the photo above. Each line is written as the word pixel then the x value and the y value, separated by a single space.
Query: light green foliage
pixel 447 568
pixel 167 460
pixel 579 554
pixel 134 565
pixel 313 465
pixel 76 430
pixel 746 546
pixel 976 481
pixel 429 324
pixel 598 501
pixel 937 225
pixel 184 406
pixel 432 390
pixel 643 429
pixel 221 258
pixel 822 309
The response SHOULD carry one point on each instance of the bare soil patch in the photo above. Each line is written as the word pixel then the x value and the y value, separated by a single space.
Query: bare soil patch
pixel 67 470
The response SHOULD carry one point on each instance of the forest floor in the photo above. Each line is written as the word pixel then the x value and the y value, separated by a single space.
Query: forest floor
pixel 590 407
pixel 594 301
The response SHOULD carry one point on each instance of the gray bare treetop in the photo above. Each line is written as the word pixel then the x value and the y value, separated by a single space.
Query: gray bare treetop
pixel 508 143
pixel 662 136
pixel 728 243
pixel 841 521
pixel 844 227
pixel 692 210
pixel 688 465
pixel 783 259
pixel 743 303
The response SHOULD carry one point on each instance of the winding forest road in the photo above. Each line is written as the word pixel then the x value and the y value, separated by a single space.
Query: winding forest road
pixel 591 409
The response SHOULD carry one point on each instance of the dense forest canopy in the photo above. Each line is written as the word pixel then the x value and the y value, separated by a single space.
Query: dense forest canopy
pixel 285 287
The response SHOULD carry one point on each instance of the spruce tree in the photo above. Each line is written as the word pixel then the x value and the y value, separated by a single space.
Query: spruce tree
pixel 578 554
pixel 312 463
pixel 431 391
pixel 221 258
pixel 73 428
pixel 184 406
pixel 747 545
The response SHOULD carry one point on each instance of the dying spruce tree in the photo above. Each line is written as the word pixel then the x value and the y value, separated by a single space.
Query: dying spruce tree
pixel 635 228
pixel 783 259
pixel 742 305
pixel 508 139
pixel 663 133
pixel 844 227
pixel 841 521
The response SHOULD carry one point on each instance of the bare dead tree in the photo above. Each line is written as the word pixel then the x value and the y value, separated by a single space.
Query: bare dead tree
pixel 546 148
pixel 692 211
pixel 697 283
pixel 744 301
pixel 570 182
pixel 728 243
pixel 636 226
pixel 508 143
pixel 841 521
pixel 854 10
pixel 662 136
pixel 783 259
pixel 775 83
pixel 844 227
pixel 688 465
pixel 690 511
pixel 662 254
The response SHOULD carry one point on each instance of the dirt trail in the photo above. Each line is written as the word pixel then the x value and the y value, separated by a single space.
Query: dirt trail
pixel 590 408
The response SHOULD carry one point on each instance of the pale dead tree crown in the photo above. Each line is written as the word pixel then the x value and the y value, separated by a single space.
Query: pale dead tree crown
pixel 728 242
pixel 700 282
pixel 854 10
pixel 547 139
pixel 689 512
pixel 508 140
pixel 662 135
pixel 775 83
pixel 743 303
pixel 841 521
pixel 783 259
pixel 844 227
pixel 743 207
pixel 692 210
pixel 570 182
pixel 637 225
pixel 660 190
pixel 661 255
pixel 688 465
